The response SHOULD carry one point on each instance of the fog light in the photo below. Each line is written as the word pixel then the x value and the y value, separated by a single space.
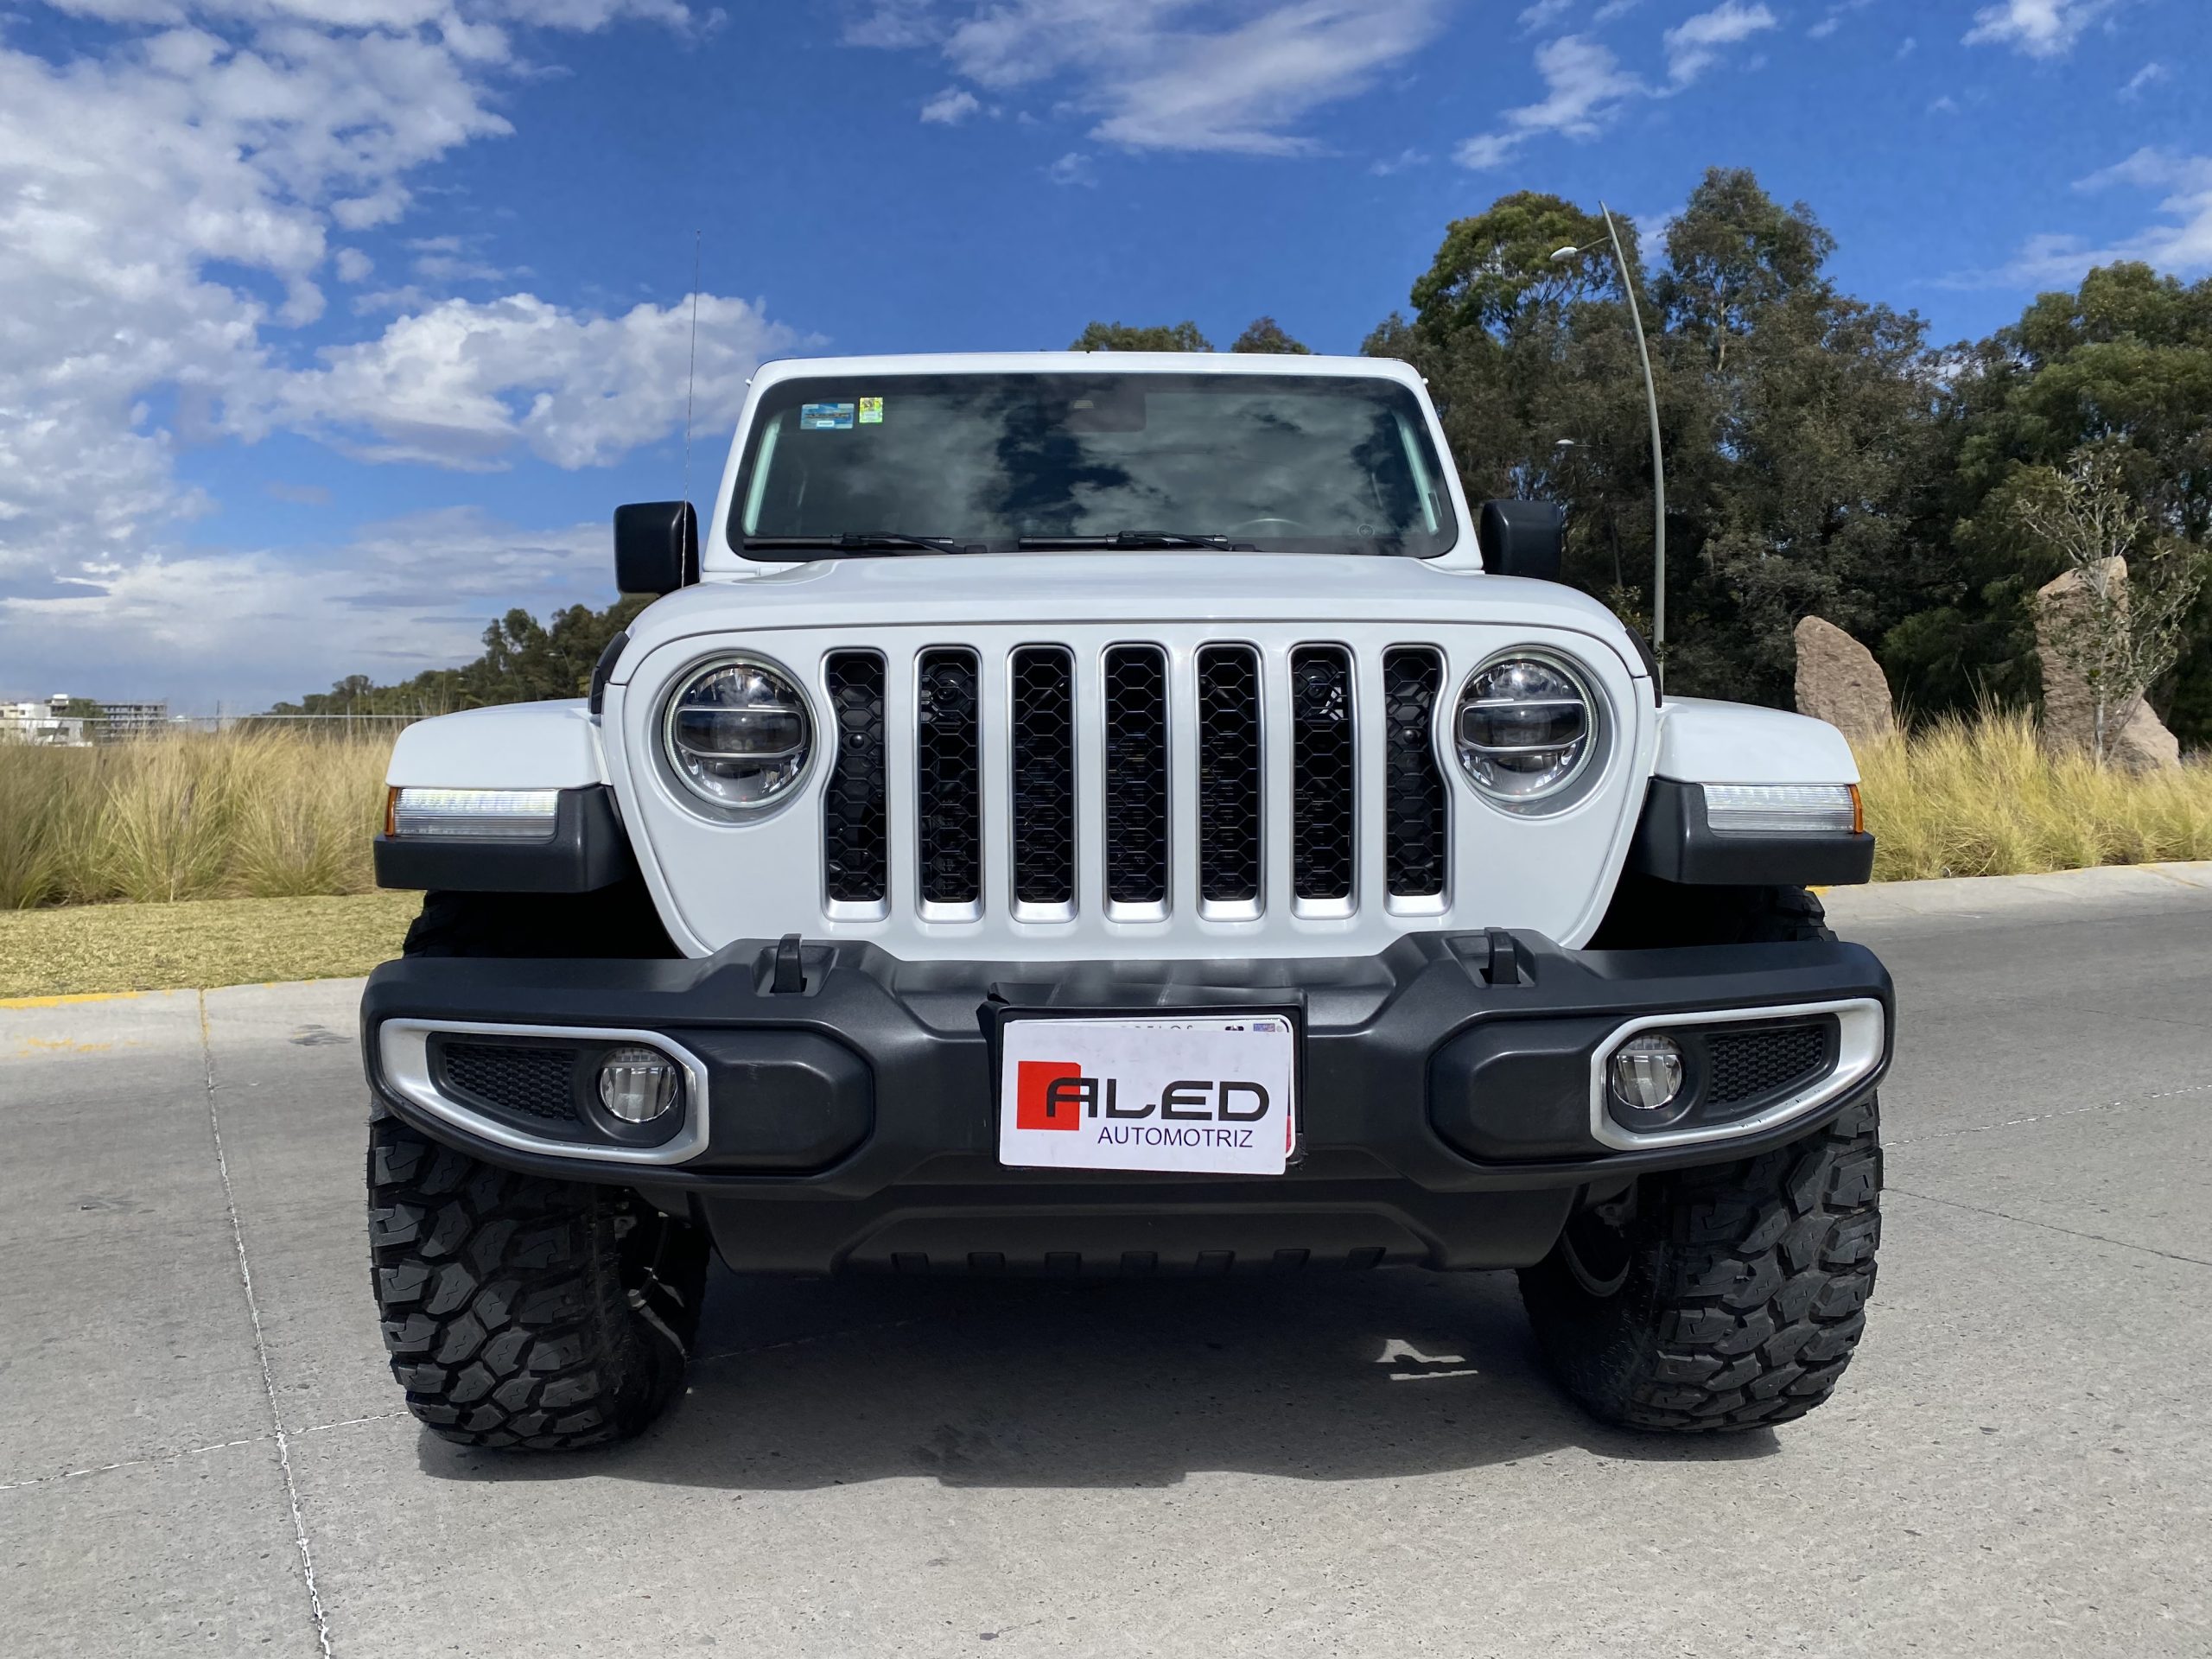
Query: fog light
pixel 638 1085
pixel 1647 1072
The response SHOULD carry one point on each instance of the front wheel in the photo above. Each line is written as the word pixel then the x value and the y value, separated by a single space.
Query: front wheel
pixel 1723 1298
pixel 523 1313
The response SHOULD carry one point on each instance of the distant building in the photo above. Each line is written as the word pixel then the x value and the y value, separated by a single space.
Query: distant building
pixel 49 724
pixel 70 721
pixel 120 719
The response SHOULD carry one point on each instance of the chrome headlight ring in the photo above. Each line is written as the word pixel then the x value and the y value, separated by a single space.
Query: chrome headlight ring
pixel 1528 729
pixel 737 735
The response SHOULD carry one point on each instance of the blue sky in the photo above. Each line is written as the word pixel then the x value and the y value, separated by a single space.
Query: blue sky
pixel 336 327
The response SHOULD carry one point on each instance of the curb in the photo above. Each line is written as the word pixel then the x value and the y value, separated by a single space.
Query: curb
pixel 2107 887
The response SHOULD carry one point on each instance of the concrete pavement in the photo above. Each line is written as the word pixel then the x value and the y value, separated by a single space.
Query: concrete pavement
pixel 200 1448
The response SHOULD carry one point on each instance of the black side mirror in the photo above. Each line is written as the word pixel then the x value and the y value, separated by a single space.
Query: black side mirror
pixel 655 547
pixel 1523 538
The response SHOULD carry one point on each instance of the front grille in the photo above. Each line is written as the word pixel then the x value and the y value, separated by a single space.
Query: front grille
pixel 1104 762
pixel 1136 775
pixel 1415 807
pixel 1767 1061
pixel 948 778
pixel 1231 764
pixel 854 844
pixel 535 1079
pixel 1042 689
pixel 1324 785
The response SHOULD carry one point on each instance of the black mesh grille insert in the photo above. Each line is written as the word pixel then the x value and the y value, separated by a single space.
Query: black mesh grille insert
pixel 948 777
pixel 1771 1060
pixel 1414 812
pixel 1230 774
pixel 1136 775
pixel 1324 800
pixel 1044 775
pixel 853 833
pixel 537 1078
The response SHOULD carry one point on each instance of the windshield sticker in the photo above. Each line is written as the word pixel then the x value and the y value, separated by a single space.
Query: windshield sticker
pixel 871 411
pixel 825 417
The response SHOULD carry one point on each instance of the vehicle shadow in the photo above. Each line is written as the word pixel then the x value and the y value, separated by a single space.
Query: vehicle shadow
pixel 1038 1383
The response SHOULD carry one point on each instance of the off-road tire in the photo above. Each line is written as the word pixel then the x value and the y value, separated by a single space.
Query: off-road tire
pixel 520 1312
pixel 1734 1295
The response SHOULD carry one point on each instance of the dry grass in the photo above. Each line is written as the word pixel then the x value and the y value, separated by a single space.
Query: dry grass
pixel 1983 797
pixel 243 815
pixel 80 948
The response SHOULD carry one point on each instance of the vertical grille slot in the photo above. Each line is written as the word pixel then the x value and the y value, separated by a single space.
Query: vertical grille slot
pixel 1136 775
pixel 1413 804
pixel 948 777
pixel 1324 802
pixel 1230 774
pixel 854 838
pixel 1043 688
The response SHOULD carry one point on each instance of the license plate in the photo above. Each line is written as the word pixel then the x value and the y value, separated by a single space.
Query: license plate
pixel 1199 1094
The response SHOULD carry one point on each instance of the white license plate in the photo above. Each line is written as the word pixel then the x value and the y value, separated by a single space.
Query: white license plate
pixel 1206 1094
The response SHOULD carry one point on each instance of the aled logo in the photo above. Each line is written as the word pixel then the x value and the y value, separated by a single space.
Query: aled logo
pixel 1057 1095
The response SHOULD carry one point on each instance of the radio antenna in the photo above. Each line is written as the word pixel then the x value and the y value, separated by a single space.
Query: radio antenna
pixel 691 376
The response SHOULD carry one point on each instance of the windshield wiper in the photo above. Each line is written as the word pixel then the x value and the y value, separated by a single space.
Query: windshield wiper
pixel 1139 539
pixel 864 541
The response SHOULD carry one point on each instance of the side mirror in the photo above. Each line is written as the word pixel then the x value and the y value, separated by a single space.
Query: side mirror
pixel 1523 538
pixel 655 547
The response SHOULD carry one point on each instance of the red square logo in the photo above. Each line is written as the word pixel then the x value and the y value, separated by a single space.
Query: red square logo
pixel 1037 1106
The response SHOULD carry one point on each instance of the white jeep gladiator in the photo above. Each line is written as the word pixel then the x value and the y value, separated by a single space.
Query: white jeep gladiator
pixel 1117 814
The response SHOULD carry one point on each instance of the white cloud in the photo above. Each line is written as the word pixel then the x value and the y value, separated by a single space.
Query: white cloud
pixel 951 107
pixel 1074 168
pixel 1585 87
pixel 2180 243
pixel 257 626
pixel 1944 105
pixel 1168 75
pixel 1696 44
pixel 1403 161
pixel 168 201
pixel 1543 14
pixel 2041 29
pixel 2149 75
pixel 467 385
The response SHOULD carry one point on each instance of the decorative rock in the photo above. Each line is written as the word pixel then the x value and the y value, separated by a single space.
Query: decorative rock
pixel 1840 682
pixel 2135 739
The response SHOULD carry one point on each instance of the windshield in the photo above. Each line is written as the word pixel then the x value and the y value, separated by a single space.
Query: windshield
pixel 998 462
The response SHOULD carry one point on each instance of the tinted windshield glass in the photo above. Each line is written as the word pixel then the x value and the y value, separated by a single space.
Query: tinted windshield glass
pixel 1308 463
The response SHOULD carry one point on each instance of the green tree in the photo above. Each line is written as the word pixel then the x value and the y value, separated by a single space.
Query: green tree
pixel 2126 358
pixel 1266 334
pixel 1795 419
pixel 1126 337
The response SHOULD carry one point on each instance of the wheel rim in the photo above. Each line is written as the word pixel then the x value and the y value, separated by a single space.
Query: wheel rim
pixel 1596 1254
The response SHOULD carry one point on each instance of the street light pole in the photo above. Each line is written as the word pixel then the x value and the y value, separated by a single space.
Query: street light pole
pixel 1658 463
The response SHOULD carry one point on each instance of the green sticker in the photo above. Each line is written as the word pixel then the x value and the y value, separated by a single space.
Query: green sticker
pixel 871 411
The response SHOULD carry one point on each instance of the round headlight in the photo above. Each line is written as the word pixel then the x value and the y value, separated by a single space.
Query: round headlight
pixel 739 734
pixel 1522 727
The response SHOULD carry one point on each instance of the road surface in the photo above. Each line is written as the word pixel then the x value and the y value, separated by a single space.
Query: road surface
pixel 201 1449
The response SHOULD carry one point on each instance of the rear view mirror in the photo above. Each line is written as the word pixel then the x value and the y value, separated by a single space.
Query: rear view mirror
pixel 1523 538
pixel 655 547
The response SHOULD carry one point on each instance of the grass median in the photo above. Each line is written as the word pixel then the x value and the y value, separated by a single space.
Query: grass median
pixel 264 836
pixel 73 949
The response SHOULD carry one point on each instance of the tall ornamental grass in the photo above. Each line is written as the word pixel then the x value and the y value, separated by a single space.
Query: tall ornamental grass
pixel 1983 797
pixel 257 814
pixel 273 814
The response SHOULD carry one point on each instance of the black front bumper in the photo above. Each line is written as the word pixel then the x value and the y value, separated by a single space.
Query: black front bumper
pixel 1446 1096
